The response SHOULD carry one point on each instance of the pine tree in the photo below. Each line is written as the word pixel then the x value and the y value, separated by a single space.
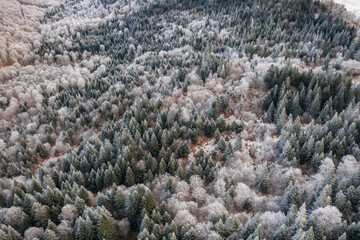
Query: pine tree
pixel 180 172
pixel 221 124
pixel 41 214
pixel 134 206
pixel 80 229
pixel 12 234
pixel 83 193
pixel 193 135
pixel 129 178
pixel 324 197
pixel 262 183
pixel 342 237
pixel 221 144
pixel 315 106
pixel 301 218
pixel 156 217
pixel 148 202
pixel 217 135
pixel 146 224
pixel 270 113
pixel 183 150
pixel 117 175
pixel 268 100
pixel 340 200
pixel 238 143
pixel 144 234
pixel 310 234
pixel 295 106
pixel 210 128
pixel 42 150
pixel 228 153
pixel 290 197
pixel 79 204
pixel 170 186
pixel 36 186
pixel 251 226
pixel 106 227
pixel 220 227
pixel 215 108
pixel 154 145
pixel 281 120
pixel 299 235
pixel 99 182
pixel 327 61
pixel 162 167
pixel 231 225
pixel 172 236
pixel 302 97
pixel 50 235
pixel 190 235
pixel 247 204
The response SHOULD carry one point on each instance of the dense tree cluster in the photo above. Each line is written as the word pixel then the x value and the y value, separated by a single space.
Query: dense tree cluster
pixel 146 126
pixel 329 103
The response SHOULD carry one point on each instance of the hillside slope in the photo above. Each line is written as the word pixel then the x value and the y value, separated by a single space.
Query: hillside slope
pixel 191 119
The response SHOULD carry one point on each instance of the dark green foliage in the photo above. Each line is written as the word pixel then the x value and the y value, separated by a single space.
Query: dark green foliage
pixel 140 138
pixel 262 183
pixel 328 99
pixel 42 150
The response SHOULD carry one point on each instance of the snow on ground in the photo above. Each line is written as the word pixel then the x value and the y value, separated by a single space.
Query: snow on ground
pixel 350 5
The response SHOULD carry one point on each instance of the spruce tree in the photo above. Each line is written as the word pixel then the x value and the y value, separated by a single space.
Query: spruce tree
pixel 154 145
pixel 262 183
pixel 270 113
pixel 129 178
pixel 315 106
pixel 281 120
pixel 238 143
pixel 221 144
pixel 106 227
pixel 295 106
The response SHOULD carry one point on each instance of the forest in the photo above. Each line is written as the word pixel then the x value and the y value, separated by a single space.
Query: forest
pixel 179 120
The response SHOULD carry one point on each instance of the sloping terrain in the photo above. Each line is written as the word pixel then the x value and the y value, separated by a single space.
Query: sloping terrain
pixel 179 120
pixel 350 5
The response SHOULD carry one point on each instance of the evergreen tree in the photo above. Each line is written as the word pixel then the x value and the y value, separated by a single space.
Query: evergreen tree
pixel 295 106
pixel 50 235
pixel 315 106
pixel 84 195
pixel 215 108
pixel 291 196
pixel 281 233
pixel 190 235
pixel 221 124
pixel 262 183
pixel 146 224
pixel 162 167
pixel 281 120
pixel 148 202
pixel 217 135
pixel 340 200
pixel 270 113
pixel 106 227
pixel 170 186
pixel 129 178
pixel 42 150
pixel 221 144
pixel 238 143
pixel 154 146
pixel 324 197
